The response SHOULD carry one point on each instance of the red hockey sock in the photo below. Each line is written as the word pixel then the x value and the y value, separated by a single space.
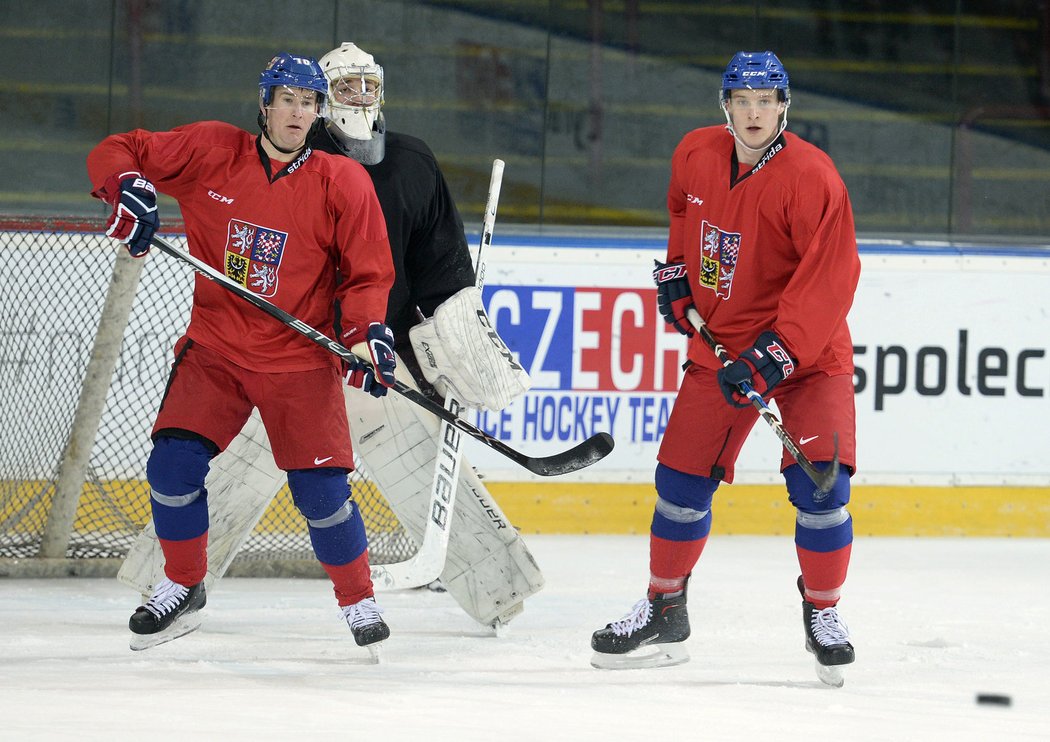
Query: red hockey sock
pixel 670 563
pixel 186 562
pixel 823 573
pixel 352 582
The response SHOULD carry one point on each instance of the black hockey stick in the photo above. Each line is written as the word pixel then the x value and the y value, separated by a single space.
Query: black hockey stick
pixel 583 454
pixel 825 479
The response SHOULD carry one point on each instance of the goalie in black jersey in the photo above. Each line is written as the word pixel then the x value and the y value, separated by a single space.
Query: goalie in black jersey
pixel 488 570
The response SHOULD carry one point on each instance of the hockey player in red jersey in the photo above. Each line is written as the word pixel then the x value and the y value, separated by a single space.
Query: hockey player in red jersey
pixel 302 229
pixel 762 243
pixel 488 568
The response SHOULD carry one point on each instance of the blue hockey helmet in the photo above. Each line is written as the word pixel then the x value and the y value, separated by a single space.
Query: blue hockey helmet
pixel 293 72
pixel 756 71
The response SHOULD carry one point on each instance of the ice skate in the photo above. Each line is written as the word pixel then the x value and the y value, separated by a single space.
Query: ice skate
pixel 171 611
pixel 651 635
pixel 827 639
pixel 367 625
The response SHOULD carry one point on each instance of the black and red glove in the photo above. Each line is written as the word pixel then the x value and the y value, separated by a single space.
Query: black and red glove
pixel 673 295
pixel 134 219
pixel 376 379
pixel 764 365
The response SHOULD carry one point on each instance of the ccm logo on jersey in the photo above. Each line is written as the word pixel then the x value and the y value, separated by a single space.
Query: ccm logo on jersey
pixel 693 199
pixel 219 197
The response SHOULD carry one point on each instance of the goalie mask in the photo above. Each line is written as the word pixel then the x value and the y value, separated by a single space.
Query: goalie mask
pixel 755 71
pixel 355 120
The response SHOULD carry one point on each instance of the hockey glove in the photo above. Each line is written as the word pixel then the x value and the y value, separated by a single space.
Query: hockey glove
pixel 380 377
pixel 673 295
pixel 764 365
pixel 134 219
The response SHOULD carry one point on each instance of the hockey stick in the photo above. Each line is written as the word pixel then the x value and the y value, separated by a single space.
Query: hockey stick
pixel 825 479
pixel 579 456
pixel 427 563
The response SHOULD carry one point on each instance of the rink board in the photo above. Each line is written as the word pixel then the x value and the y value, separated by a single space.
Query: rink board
pixel 617 508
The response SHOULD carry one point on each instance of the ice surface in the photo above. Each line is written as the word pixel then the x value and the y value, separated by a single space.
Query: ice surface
pixel 934 621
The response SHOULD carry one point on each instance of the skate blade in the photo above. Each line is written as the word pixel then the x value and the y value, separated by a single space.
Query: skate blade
pixel 180 627
pixel 373 653
pixel 830 674
pixel 653 655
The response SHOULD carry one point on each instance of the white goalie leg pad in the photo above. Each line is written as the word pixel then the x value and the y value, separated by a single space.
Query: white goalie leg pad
pixel 461 353
pixel 488 569
pixel 241 482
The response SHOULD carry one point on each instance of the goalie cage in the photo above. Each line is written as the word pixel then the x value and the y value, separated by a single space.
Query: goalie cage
pixel 86 334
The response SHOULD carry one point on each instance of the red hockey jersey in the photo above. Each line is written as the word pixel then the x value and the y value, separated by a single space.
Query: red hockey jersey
pixel 773 249
pixel 287 239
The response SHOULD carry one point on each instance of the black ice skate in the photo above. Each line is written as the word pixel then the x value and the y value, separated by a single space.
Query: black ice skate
pixel 367 625
pixel 827 639
pixel 651 635
pixel 172 611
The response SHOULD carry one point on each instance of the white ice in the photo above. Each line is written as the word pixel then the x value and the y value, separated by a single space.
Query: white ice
pixel 934 621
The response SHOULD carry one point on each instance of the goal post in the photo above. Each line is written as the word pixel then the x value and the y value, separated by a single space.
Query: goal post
pixel 86 334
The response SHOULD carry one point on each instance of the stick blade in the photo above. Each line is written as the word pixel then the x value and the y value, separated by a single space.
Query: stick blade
pixel 595 448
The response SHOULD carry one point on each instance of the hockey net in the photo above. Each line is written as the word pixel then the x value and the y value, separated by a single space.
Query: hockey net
pixel 74 431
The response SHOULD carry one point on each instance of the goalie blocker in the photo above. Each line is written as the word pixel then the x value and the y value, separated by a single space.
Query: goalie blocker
pixel 460 353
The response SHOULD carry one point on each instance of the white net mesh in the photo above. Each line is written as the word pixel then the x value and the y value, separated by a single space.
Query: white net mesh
pixel 54 284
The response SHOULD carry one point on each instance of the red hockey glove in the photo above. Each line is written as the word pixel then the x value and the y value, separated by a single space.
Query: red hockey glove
pixel 380 376
pixel 673 295
pixel 134 219
pixel 764 365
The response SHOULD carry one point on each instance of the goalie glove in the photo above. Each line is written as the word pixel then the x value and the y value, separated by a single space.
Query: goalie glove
pixel 460 353
pixel 764 365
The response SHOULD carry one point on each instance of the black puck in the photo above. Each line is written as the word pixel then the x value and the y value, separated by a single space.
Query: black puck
pixel 994 699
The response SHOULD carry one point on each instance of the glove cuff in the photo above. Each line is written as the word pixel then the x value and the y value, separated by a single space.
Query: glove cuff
pixel 771 344
pixel 110 189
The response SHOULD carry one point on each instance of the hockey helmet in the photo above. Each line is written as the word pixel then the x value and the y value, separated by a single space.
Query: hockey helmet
pixel 756 71
pixel 293 71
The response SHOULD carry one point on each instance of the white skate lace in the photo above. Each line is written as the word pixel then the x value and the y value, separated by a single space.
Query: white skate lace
pixel 828 628
pixel 636 619
pixel 166 597
pixel 361 614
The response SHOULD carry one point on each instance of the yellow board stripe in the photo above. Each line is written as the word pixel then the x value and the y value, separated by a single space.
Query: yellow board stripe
pixel 581 508
pixel 1021 512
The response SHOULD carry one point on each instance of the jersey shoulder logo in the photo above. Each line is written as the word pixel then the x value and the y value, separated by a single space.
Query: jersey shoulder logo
pixel 718 254
pixel 253 256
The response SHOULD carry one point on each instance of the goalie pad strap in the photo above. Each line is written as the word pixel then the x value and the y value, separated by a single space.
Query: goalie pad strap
pixel 460 353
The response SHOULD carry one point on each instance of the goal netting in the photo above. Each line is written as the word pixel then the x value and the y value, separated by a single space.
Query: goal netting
pixel 86 335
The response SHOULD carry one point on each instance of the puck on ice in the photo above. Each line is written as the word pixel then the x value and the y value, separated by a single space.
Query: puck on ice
pixel 993 699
